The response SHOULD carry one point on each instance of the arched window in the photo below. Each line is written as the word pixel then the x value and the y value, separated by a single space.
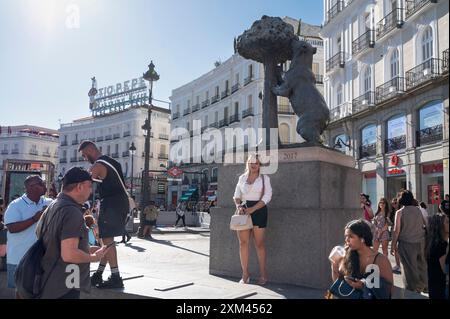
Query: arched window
pixel 430 123
pixel 368 80
pixel 369 135
pixel 284 133
pixel 396 133
pixel 395 64
pixel 339 142
pixel 427 44
pixel 339 98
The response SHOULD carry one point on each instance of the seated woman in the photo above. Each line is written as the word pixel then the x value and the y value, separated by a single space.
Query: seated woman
pixel 353 267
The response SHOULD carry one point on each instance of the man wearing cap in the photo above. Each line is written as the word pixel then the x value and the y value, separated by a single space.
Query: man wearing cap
pixel 67 258
pixel 114 209
pixel 21 218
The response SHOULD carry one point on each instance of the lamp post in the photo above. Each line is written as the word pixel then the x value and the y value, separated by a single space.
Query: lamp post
pixel 150 76
pixel 132 151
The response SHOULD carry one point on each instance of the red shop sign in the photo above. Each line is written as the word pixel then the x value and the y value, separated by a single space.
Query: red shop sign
pixel 396 171
pixel 394 159
pixel 433 168
pixel 370 175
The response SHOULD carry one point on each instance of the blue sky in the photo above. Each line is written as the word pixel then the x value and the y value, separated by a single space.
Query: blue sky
pixel 46 61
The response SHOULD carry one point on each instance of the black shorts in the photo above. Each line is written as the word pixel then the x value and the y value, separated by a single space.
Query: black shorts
pixel 150 222
pixel 259 217
pixel 112 217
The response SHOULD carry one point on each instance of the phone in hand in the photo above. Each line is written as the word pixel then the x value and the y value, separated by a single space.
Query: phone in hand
pixel 351 278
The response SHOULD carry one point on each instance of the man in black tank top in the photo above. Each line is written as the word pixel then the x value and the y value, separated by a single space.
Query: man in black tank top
pixel 114 208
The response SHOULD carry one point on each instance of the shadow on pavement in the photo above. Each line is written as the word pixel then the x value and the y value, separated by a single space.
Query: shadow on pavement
pixel 137 248
pixel 169 243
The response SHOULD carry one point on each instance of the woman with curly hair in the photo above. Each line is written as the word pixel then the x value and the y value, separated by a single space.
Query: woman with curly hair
pixel 381 222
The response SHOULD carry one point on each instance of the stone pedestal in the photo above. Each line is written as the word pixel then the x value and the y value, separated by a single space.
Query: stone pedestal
pixel 315 193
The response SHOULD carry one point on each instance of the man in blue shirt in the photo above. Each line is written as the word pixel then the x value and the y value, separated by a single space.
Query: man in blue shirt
pixel 21 218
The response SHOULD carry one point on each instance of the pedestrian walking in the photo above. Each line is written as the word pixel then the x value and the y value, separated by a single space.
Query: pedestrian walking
pixel 151 214
pixel 394 207
pixel 181 214
pixel 381 222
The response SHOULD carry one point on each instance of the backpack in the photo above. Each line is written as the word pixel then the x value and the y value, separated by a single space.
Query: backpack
pixel 29 272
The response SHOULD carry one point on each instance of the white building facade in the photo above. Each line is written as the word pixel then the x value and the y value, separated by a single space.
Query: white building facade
pixel 386 83
pixel 114 133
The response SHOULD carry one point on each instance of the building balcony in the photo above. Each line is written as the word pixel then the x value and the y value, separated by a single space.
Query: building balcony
pixel 340 111
pixel 363 102
pixel 163 156
pixel 234 88
pixel 176 115
pixel 335 61
pixel 116 136
pixel 164 136
pixel 46 154
pixel 395 144
pixel 445 61
pixel 334 10
pixel 213 179
pixel 126 133
pixel 63 160
pixel 204 128
pixel 223 123
pixel 63 143
pixel 186 111
pixel 175 140
pixel 151 154
pixel 429 135
pixel 319 78
pixel 100 139
pixel 33 152
pixel 108 137
pixel 412 6
pixel 15 152
pixel 74 159
pixel 233 118
pixel 422 73
pixel 390 89
pixel 215 99
pixel 390 22
pixel 195 108
pixel 247 112
pixel 285 109
pixel 205 103
pixel 225 94
pixel 248 79
pixel 214 124
pixel 368 150
pixel 366 40
pixel 75 142
pixel 5 152
pixel 126 154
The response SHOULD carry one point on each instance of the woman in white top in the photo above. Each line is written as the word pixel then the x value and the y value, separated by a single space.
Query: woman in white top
pixel 249 193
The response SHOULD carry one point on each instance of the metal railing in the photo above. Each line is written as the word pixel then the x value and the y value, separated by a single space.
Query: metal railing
pixel 73 159
pixel 63 143
pixel 163 156
pixel 366 40
pixel 195 108
pixel 395 143
pixel 176 115
pixel 424 72
pixel 205 103
pixel 234 118
pixel 187 111
pixel 368 150
pixel 319 78
pixel 213 179
pixel 412 6
pixel 334 10
pixel 224 94
pixel 390 89
pixel 340 111
pixel 164 136
pixel 115 155
pixel 126 133
pixel 100 139
pixel 5 152
pixel 234 88
pixel 390 22
pixel 126 154
pixel 46 154
pixel 336 60
pixel 285 109
pixel 247 112
pixel 75 142
pixel 429 135
pixel 445 60
pixel 223 122
pixel 248 79
pixel 363 102
pixel 108 137
pixel 63 160
pixel 214 124
pixel 116 136
pixel 33 152
pixel 215 99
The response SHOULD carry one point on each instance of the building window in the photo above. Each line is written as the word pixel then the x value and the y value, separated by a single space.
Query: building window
pixel 368 80
pixel 339 142
pixel 427 44
pixel 396 134
pixel 369 135
pixel 394 64
pixel 431 115
pixel 250 71
pixel 250 101
pixel 339 95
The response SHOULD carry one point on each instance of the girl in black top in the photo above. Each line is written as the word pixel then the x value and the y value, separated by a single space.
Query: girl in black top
pixel 436 250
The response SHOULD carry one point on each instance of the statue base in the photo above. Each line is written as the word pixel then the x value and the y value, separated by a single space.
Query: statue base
pixel 315 193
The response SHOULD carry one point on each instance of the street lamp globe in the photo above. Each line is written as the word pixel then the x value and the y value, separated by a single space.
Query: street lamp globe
pixel 132 149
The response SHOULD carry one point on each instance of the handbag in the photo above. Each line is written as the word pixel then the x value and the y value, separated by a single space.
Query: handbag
pixel 131 202
pixel 341 289
pixel 244 222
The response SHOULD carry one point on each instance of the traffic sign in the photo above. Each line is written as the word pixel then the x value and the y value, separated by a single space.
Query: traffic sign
pixel 175 171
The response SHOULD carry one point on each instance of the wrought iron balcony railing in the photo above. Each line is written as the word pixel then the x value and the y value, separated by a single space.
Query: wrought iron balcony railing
pixel 187 111
pixel 5 152
pixel 116 136
pixel 73 159
pixel 164 136
pixel 195 108
pixel 224 94
pixel 215 99
pixel 390 89
pixel 205 103
pixel 214 124
pixel 366 40
pixel 63 143
pixel 75 142
pixel 163 156
pixel 108 137
pixel 247 112
pixel 234 88
pixel 368 150
pixel 100 139
pixel 412 6
pixel 334 10
pixel 429 135
pixel 223 123
pixel 395 143
pixel 319 78
pixel 340 111
pixel 126 133
pixel 422 73
pixel 176 115
pixel 445 55
pixel 234 118
pixel 63 160
pixel 126 154
pixel 390 22
pixel 363 102
pixel 248 79
pixel 337 60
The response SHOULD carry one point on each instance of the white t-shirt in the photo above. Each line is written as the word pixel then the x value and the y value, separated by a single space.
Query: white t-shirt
pixel 252 192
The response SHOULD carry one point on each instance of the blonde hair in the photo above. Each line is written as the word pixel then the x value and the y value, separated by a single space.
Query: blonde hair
pixel 251 159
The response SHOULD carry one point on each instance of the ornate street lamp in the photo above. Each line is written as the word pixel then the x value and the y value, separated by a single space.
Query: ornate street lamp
pixel 132 151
